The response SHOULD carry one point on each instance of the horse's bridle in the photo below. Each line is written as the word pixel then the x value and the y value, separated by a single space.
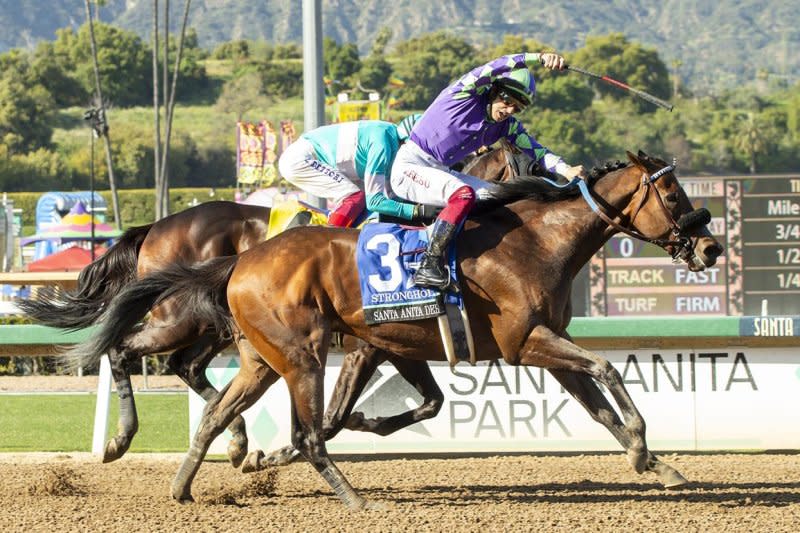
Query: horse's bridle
pixel 680 247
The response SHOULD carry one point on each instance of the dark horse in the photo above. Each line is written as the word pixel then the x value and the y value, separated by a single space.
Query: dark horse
pixel 517 258
pixel 203 232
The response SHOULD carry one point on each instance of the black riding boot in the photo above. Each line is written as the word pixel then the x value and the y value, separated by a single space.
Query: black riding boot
pixel 431 272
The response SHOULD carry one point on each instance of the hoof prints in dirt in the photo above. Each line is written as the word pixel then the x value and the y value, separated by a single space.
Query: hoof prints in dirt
pixel 258 484
pixel 57 481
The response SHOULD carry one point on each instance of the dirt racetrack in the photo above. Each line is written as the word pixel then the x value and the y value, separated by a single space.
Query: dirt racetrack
pixel 73 492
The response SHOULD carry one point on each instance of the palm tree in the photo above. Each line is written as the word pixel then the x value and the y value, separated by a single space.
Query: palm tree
pixel 103 129
pixel 754 137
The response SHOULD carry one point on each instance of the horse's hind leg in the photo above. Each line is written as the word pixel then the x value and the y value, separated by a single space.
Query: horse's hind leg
pixel 305 382
pixel 155 336
pixel 128 421
pixel 190 363
pixel 357 368
pixel 298 345
pixel 247 386
pixel 589 395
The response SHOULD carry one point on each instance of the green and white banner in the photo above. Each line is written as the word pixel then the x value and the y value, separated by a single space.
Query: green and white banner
pixel 691 399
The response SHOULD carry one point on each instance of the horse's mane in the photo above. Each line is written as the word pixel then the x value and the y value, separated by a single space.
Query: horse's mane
pixel 536 188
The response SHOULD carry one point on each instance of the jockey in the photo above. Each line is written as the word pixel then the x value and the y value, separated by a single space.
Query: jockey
pixel 330 161
pixel 474 111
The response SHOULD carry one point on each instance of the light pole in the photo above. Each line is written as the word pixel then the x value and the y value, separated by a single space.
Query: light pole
pixel 313 92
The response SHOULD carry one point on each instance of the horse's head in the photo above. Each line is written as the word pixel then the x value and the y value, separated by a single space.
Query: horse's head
pixel 501 164
pixel 646 201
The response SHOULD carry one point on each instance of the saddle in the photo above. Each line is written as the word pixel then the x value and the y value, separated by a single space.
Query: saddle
pixel 291 213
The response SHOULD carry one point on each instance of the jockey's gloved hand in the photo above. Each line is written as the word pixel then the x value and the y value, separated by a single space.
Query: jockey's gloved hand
pixel 426 212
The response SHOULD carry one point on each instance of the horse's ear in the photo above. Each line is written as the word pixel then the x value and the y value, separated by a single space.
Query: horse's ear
pixel 637 161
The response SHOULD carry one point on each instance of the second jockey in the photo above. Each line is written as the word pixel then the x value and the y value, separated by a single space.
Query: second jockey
pixel 349 163
pixel 474 111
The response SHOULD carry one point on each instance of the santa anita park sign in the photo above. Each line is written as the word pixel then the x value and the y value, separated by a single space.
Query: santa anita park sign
pixel 692 399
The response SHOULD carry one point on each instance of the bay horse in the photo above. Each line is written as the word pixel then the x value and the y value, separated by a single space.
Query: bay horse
pixel 517 257
pixel 202 232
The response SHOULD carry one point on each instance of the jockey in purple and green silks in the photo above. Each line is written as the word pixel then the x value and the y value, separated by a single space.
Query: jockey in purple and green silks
pixel 474 111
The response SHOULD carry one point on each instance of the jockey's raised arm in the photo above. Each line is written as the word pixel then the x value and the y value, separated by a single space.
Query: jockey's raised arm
pixel 474 111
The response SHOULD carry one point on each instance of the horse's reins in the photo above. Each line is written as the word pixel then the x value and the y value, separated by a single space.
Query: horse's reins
pixel 682 245
pixel 511 163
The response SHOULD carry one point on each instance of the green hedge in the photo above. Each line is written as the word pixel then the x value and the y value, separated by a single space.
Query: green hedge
pixel 137 206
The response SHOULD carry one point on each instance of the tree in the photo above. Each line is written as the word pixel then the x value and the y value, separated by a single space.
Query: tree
pixel 26 107
pixel 242 94
pixel 381 40
pixel 753 138
pixel 162 176
pixel 282 80
pixel 375 72
pixel 236 50
pixel 341 61
pixel 637 66
pixel 563 92
pixel 55 72
pixel 375 68
pixel 433 61
pixel 123 61
pixel 98 122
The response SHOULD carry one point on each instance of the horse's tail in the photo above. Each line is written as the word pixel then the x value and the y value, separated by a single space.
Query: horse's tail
pixel 199 290
pixel 98 283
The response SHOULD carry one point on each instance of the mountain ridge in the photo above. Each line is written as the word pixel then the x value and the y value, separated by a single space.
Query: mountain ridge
pixel 710 45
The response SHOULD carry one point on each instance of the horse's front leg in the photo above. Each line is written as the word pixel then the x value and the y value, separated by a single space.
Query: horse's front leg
pixel 589 395
pixel 418 374
pixel 544 348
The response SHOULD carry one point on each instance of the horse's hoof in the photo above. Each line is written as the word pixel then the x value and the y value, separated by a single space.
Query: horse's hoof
pixel 185 500
pixel 114 450
pixel 281 457
pixel 237 451
pixel 674 480
pixel 357 503
pixel 669 477
pixel 253 462
pixel 638 460
pixel 374 506
pixel 182 496
pixel 355 422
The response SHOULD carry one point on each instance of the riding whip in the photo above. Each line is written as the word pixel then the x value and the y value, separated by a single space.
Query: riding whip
pixel 641 94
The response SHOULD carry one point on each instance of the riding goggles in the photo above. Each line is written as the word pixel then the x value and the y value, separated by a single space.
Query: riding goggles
pixel 512 101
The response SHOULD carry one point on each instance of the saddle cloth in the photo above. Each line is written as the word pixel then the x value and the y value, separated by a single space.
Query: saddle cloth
pixel 387 256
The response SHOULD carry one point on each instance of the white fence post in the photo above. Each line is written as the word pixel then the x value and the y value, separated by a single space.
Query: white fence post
pixel 101 408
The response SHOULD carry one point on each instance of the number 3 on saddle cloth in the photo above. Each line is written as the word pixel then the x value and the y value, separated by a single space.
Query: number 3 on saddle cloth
pixel 387 256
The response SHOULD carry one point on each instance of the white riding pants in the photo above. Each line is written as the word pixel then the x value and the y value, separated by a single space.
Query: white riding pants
pixel 418 177
pixel 300 167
